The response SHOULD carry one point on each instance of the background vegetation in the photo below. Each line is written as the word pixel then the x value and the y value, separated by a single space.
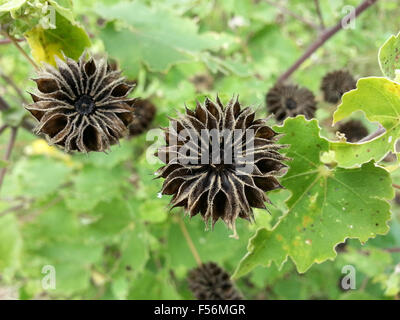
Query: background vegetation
pixel 98 218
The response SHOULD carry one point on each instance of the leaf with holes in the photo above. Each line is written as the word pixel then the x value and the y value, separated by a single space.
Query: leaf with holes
pixel 389 56
pixel 379 99
pixel 326 207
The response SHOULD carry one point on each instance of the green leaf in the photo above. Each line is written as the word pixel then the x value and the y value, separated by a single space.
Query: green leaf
pixel 153 286
pixel 393 283
pixel 40 176
pixel 14 116
pixel 111 219
pixel 118 153
pixel 12 5
pixel 67 38
pixel 94 185
pixel 135 249
pixel 63 7
pixel 3 163
pixel 373 262
pixel 379 99
pixel 326 207
pixel 10 243
pixel 72 262
pixel 149 33
pixel 212 245
pixel 389 56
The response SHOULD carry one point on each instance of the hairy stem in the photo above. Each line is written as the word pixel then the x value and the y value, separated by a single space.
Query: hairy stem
pixel 326 35
pixel 7 155
pixel 8 41
pixel 16 44
pixel 189 241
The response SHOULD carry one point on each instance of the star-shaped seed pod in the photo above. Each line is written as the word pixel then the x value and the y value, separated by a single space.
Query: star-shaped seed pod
pixel 145 111
pixel 335 84
pixel 211 282
pixel 233 161
pixel 82 105
pixel 289 101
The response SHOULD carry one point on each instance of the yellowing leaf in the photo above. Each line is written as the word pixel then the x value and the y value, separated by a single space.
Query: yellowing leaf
pixel 66 38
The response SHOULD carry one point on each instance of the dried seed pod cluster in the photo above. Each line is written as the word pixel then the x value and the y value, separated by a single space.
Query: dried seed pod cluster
pixel 335 84
pixel 82 105
pixel 145 111
pixel 353 130
pixel 215 183
pixel 289 101
pixel 211 282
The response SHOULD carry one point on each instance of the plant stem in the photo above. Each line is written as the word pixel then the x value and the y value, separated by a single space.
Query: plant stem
pixel 326 35
pixel 2 128
pixel 11 82
pixel 8 41
pixel 288 12
pixel 319 13
pixel 7 155
pixel 16 44
pixel 3 105
pixel 396 186
pixel 12 209
pixel 189 241
pixel 393 250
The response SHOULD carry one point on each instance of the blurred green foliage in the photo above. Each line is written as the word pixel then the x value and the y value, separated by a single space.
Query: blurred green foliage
pixel 97 218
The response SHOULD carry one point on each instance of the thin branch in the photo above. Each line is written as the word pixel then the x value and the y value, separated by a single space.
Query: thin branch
pixel 189 241
pixel 3 105
pixel 12 209
pixel 7 155
pixel 3 127
pixel 396 186
pixel 11 82
pixel 292 14
pixel 393 250
pixel 326 35
pixel 319 13
pixel 16 44
pixel 8 41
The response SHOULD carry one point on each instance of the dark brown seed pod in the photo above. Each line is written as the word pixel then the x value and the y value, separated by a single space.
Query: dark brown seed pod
pixel 82 105
pixel 353 130
pixel 335 84
pixel 213 183
pixel 397 198
pixel 210 282
pixel 202 82
pixel 289 101
pixel 145 111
